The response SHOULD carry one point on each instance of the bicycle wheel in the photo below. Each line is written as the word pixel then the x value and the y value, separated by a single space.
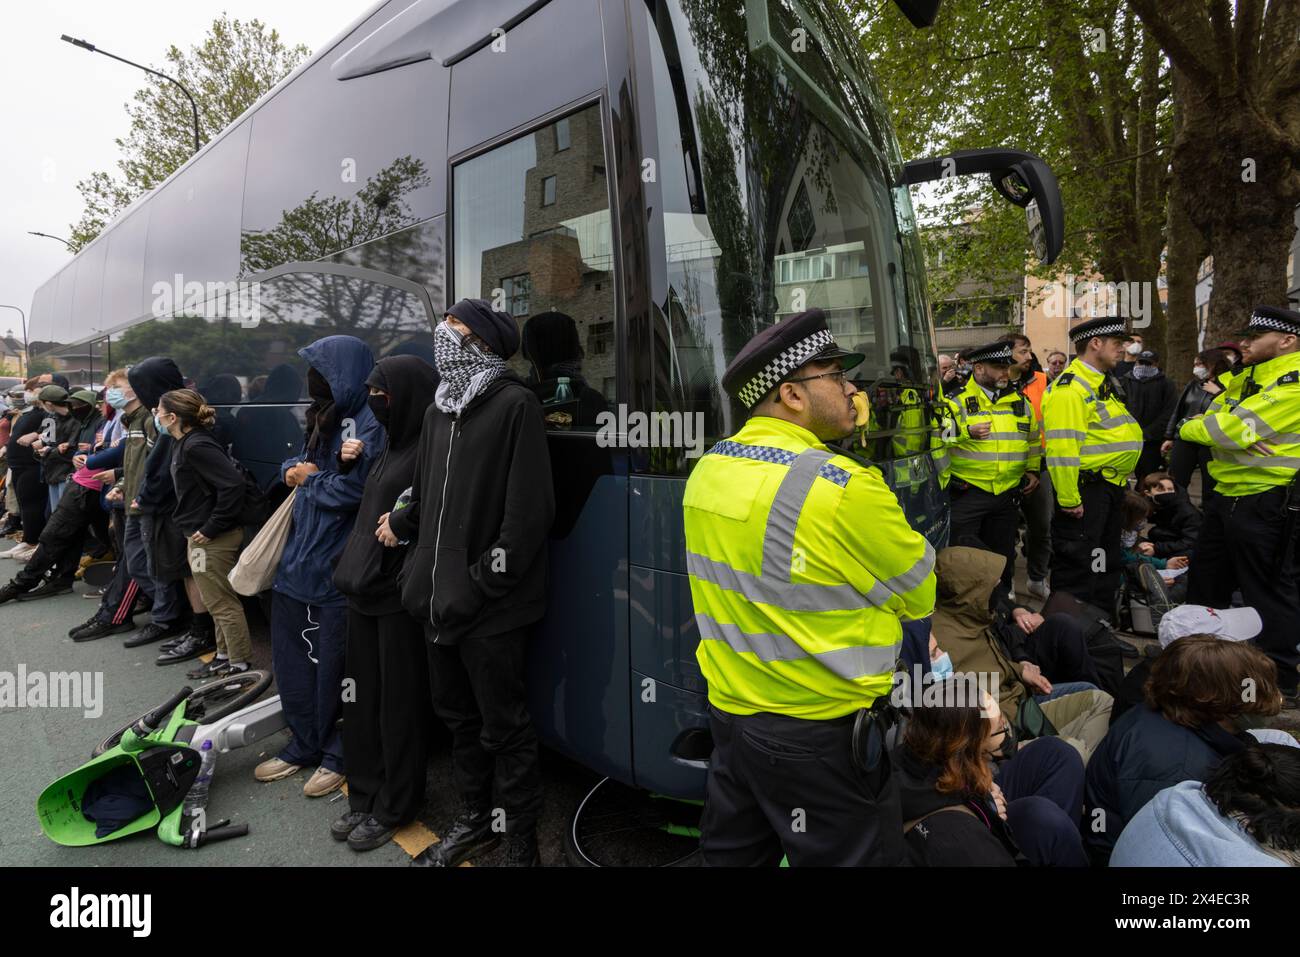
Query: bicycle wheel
pixel 618 826
pixel 214 700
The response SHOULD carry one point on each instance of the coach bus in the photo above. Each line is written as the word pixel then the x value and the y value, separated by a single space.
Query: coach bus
pixel 651 182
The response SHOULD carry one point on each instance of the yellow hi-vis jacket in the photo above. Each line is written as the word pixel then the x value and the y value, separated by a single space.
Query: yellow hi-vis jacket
pixel 1087 429
pixel 802 566
pixel 996 463
pixel 1263 404
pixel 942 424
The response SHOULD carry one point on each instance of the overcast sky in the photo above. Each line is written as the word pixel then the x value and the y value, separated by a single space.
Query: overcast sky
pixel 62 107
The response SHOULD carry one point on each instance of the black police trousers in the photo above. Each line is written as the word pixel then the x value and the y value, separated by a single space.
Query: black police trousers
pixel 1085 551
pixel 1237 548
pixel 780 785
pixel 981 519
pixel 63 539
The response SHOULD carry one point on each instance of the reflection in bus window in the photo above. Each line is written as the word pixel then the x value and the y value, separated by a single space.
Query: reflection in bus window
pixel 532 236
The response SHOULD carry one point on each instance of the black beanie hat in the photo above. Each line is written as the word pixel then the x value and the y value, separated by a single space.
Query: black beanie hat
pixel 497 329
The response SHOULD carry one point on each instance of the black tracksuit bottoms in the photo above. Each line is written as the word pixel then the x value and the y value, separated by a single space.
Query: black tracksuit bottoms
pixel 386 716
pixel 479 693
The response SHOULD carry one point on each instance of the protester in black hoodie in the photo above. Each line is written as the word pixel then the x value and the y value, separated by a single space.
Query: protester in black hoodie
pixel 1175 521
pixel 386 718
pixel 481 507
pixel 971 797
pixel 1151 399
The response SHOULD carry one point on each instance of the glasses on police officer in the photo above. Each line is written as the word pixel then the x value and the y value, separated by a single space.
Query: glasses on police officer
pixel 838 376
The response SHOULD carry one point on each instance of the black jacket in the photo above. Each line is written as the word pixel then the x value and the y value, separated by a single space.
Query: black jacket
pixel 1193 401
pixel 56 466
pixel 209 489
pixel 477 564
pixel 1150 401
pixel 22 456
pixel 949 838
pixel 367 571
pixel 150 379
pixel 1175 527
pixel 1142 754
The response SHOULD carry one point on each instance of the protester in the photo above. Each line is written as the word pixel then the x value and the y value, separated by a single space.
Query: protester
pixel 1056 363
pixel 308 614
pixel 960 808
pixel 1181 732
pixel 1134 349
pixel 1186 457
pixel 965 626
pixel 210 512
pixel 25 472
pixel 386 719
pixel 56 443
pixel 1151 399
pixel 949 379
pixel 476 581
pixel 1175 521
pixel 1246 814
pixel 1234 354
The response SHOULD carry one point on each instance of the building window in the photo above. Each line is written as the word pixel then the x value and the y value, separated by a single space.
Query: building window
pixel 803 226
pixel 562 135
pixel 600 338
pixel 518 290
pixel 548 191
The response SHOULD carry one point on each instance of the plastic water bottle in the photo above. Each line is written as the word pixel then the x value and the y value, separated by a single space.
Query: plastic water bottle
pixel 562 391
pixel 197 798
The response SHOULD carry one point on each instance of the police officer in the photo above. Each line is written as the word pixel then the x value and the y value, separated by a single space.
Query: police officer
pixel 994 456
pixel 802 566
pixel 1092 445
pixel 1253 430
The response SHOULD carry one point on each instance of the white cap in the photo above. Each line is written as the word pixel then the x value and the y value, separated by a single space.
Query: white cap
pixel 1234 624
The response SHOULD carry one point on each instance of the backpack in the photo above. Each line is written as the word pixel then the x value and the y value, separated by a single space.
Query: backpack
pixel 256 506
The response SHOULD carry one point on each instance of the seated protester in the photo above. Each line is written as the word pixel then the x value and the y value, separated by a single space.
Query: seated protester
pixel 78 513
pixel 966 628
pixel 1182 731
pixel 1175 521
pixel 210 512
pixel 1143 568
pixel 1247 814
pixel 970 797
pixel 1230 624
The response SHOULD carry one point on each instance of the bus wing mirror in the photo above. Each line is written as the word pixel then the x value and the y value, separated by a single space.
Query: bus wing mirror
pixel 1020 178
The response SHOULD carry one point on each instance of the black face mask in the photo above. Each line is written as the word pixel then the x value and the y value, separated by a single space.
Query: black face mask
pixel 322 418
pixel 379 406
pixel 1163 499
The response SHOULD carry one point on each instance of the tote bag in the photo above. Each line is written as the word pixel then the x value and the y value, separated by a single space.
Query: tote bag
pixel 255 570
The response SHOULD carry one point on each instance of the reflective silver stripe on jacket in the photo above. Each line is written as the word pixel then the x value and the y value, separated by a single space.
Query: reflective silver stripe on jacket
pixel 1115 421
pixel 1242 457
pixel 785 594
pixel 1105 447
pixel 1075 434
pixel 1262 429
pixel 977 455
pixel 1063 461
pixel 783 516
pixel 856 661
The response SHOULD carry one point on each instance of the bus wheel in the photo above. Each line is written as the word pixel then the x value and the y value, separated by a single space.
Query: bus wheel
pixel 618 826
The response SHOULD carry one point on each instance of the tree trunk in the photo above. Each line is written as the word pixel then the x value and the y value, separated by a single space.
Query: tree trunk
pixel 1187 248
pixel 1249 270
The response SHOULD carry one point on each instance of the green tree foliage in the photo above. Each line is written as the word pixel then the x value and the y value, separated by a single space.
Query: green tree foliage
pixel 1079 83
pixel 236 63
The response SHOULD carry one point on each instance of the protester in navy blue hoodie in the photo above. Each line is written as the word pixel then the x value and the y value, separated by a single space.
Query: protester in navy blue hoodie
pixel 308 614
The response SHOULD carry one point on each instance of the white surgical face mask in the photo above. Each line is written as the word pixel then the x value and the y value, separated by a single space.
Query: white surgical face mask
pixel 1134 348
pixel 1201 372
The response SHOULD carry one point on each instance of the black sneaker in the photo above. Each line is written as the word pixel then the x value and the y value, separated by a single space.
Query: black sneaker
pixel 469 834
pixel 521 850
pixel 346 824
pixel 187 649
pixel 217 668
pixel 98 629
pixel 153 632
pixel 9 591
pixel 370 834
pixel 46 589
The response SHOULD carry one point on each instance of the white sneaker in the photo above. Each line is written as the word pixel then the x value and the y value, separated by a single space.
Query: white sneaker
pixel 1039 589
pixel 21 552
pixel 10 552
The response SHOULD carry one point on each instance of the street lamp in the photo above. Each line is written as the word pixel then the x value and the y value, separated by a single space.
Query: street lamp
pixel 26 358
pixel 32 232
pixel 93 49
